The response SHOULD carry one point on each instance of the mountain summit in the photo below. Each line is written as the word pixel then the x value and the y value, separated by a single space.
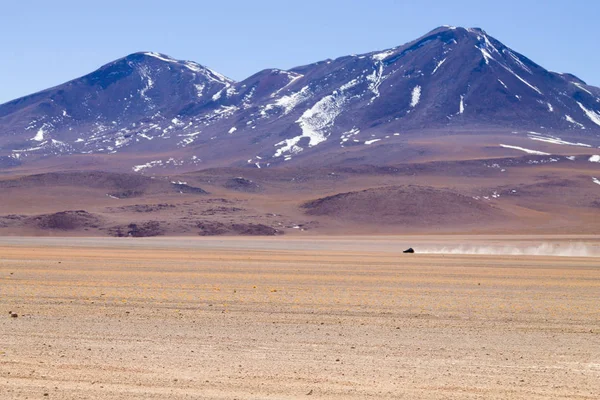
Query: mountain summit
pixel 450 80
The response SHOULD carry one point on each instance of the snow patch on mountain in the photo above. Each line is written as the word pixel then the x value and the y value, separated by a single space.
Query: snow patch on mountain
pixel 293 77
pixel 188 138
pixel 594 116
pixel 519 62
pixel 572 121
pixel 553 139
pixel 594 158
pixel 288 102
pixel 580 86
pixel 314 123
pixel 486 55
pixel 348 135
pixel 144 72
pixel 367 142
pixel 521 79
pixel 39 136
pixel 383 55
pixel 415 96
pixel 438 65
pixel 376 78
pixel 528 151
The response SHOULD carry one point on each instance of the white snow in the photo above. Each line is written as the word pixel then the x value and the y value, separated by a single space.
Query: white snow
pixel 350 84
pixel 376 79
pixel 293 78
pixel 550 108
pixel 372 141
pixel 553 139
pixel 416 96
pixel 121 141
pixel 314 123
pixel 150 164
pixel 489 44
pixel 145 136
pixel 519 62
pixel 290 146
pixel 461 106
pixel 39 136
pixel 161 57
pixel 572 158
pixel 217 77
pixel 31 148
pixel 571 120
pixel 199 88
pixel 486 55
pixel 596 180
pixel 383 55
pixel 344 137
pixel 289 102
pixel 503 84
pixel 439 64
pixel 594 158
pixel 233 129
pixel 145 75
pixel 594 116
pixel 528 151
pixel 580 86
pixel 194 67
pixel 218 95
pixel 257 165
pixel 521 79
pixel 231 91
pixel 189 138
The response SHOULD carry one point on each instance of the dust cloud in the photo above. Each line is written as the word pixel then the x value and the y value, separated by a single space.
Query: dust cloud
pixel 543 249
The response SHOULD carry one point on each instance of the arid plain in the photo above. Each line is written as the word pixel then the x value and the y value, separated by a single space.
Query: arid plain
pixel 287 318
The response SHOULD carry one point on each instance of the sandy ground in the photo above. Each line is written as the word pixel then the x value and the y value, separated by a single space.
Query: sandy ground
pixel 327 318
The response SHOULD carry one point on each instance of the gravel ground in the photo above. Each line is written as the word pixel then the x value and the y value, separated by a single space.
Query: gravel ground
pixel 331 318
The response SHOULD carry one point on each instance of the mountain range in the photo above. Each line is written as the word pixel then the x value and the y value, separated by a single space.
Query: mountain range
pixel 160 112
pixel 453 132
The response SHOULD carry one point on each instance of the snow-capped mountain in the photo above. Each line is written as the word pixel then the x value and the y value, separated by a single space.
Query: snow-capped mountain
pixel 148 103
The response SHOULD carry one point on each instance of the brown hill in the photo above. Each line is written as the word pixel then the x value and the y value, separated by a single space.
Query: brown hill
pixel 409 205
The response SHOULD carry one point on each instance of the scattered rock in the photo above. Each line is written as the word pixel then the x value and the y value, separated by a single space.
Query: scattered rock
pixel 127 194
pixel 213 228
pixel 14 315
pixel 143 229
pixel 409 250
pixel 66 220
pixel 185 188
pixel 221 210
pixel 142 208
pixel 242 185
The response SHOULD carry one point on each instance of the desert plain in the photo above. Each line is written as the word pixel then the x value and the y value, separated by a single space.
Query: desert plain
pixel 294 318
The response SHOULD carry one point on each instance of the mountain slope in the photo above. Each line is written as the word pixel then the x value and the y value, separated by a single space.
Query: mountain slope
pixel 160 112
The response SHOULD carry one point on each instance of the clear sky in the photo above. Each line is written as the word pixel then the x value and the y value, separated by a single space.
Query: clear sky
pixel 47 42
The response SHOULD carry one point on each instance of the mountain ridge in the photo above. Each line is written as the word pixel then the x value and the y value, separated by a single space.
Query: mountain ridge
pixel 144 103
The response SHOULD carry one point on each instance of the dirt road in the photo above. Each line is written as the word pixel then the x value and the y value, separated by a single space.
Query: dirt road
pixel 284 319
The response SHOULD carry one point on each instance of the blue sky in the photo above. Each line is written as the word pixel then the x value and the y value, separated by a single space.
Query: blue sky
pixel 45 43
